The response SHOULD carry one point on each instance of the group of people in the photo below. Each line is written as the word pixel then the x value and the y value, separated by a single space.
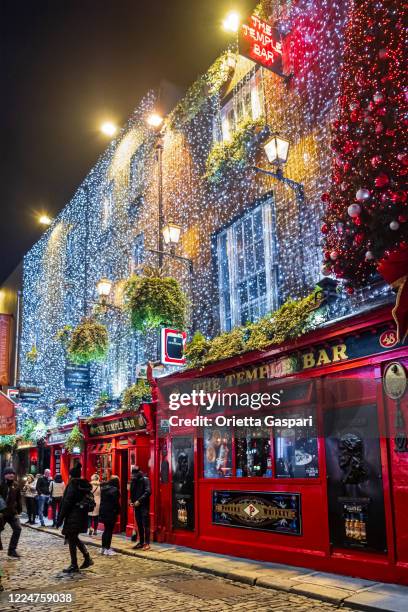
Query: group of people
pixel 78 508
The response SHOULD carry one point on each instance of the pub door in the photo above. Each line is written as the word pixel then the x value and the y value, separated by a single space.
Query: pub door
pixel 124 480
pixel 354 479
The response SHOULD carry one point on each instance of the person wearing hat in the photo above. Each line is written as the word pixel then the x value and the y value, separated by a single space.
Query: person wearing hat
pixel 12 507
pixel 73 516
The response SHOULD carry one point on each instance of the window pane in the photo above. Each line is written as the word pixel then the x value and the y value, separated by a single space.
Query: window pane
pixel 253 452
pixel 296 452
pixel 217 452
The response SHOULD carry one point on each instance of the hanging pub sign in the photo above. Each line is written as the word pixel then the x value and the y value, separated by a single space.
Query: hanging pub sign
pixel 264 511
pixel 261 42
pixel 76 376
pixel 173 343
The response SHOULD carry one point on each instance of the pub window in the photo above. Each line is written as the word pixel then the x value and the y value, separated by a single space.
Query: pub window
pixel 296 449
pixel 253 452
pixel 217 452
pixel 246 103
pixel 247 267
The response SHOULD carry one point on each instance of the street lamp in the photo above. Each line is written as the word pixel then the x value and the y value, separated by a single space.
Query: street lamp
pixel 154 120
pixel 231 22
pixel 45 220
pixel 277 150
pixel 171 234
pixel 103 288
pixel 108 128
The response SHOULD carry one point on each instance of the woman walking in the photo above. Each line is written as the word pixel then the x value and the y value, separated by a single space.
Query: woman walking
pixel 57 488
pixel 77 502
pixel 108 512
pixel 93 517
pixel 30 494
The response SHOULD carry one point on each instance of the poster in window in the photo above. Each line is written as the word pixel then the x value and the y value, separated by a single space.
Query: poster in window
pixel 296 449
pixel 264 511
pixel 182 466
pixel 217 452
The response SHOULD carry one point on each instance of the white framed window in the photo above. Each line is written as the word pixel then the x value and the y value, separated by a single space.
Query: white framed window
pixel 246 103
pixel 107 205
pixel 247 267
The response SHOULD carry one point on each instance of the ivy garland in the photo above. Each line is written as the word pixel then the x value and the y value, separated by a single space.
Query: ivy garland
pixel 134 395
pixel 153 300
pixel 89 342
pixel 75 439
pixel 237 154
pixel 293 319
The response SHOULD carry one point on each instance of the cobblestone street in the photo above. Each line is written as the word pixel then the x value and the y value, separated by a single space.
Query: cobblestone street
pixel 130 583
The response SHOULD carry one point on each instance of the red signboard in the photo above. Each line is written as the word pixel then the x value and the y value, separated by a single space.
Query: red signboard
pixel 5 326
pixel 7 416
pixel 261 42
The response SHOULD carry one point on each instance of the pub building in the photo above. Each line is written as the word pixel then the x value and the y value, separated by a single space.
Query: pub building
pixel 61 460
pixel 331 497
pixel 113 445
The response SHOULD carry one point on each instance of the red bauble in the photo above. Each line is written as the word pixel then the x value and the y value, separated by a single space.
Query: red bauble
pixel 381 180
pixel 349 290
pixel 325 197
pixel 390 132
pixel 357 221
pixel 379 127
pixel 354 116
pixel 376 161
pixel 381 111
pixel 324 229
pixel 346 166
pixel 359 238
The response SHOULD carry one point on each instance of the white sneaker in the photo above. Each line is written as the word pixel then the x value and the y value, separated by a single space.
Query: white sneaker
pixel 109 552
pixel 102 551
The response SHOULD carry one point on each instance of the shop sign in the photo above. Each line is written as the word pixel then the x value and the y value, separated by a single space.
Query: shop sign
pixel 352 347
pixel 30 395
pixel 7 415
pixel 5 328
pixel 122 425
pixel 173 343
pixel 58 437
pixel 395 380
pixel 264 511
pixel 77 376
pixel 261 42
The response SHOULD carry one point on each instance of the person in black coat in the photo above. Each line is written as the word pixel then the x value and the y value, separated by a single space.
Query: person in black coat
pixel 11 495
pixel 73 516
pixel 108 512
pixel 140 492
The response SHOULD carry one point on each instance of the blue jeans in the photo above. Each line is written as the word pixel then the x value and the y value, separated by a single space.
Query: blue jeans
pixel 42 500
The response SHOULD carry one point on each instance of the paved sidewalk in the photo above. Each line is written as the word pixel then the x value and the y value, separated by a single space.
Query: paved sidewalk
pixel 341 590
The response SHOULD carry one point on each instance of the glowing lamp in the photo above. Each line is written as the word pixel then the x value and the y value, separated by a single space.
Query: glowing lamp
pixel 104 287
pixel 45 220
pixel 231 22
pixel 154 120
pixel 277 150
pixel 171 233
pixel 108 128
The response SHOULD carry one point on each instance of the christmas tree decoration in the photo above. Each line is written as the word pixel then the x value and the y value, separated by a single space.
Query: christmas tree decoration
pixel 369 145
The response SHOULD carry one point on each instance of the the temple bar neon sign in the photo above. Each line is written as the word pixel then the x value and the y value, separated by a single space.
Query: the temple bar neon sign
pixel 260 42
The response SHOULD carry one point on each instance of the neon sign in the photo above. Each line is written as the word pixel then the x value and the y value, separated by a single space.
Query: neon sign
pixel 261 43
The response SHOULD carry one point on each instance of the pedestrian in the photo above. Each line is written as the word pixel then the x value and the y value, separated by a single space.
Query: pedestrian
pixel 108 512
pixel 43 490
pixel 10 502
pixel 57 488
pixel 93 517
pixel 30 493
pixel 77 502
pixel 140 491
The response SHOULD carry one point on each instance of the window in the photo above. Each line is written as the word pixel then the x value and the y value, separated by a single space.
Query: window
pixel 247 267
pixel 137 173
pixel 107 205
pixel 245 103
pixel 253 452
pixel 296 451
pixel 217 452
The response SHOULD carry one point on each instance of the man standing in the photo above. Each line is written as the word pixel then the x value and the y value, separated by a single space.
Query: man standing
pixel 11 495
pixel 43 490
pixel 140 491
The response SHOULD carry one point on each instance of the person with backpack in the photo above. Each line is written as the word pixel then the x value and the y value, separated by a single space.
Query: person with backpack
pixel 11 507
pixel 57 488
pixel 76 504
pixel 140 491
pixel 108 512
pixel 93 517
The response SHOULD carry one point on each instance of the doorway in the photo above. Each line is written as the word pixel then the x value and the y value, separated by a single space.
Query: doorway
pixel 124 478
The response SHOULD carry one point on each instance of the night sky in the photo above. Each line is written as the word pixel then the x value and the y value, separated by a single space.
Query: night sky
pixel 68 65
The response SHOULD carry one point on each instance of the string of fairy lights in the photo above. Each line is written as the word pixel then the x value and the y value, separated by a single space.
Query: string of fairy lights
pixel 94 235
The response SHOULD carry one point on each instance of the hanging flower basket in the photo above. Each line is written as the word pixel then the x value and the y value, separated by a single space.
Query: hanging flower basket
pixel 74 440
pixel 134 395
pixel 89 342
pixel 153 300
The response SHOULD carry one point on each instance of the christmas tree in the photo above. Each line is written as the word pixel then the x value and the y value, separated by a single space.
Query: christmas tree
pixel 366 220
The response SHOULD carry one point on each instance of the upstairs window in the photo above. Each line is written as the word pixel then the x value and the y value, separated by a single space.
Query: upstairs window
pixel 107 205
pixel 246 103
pixel 247 267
